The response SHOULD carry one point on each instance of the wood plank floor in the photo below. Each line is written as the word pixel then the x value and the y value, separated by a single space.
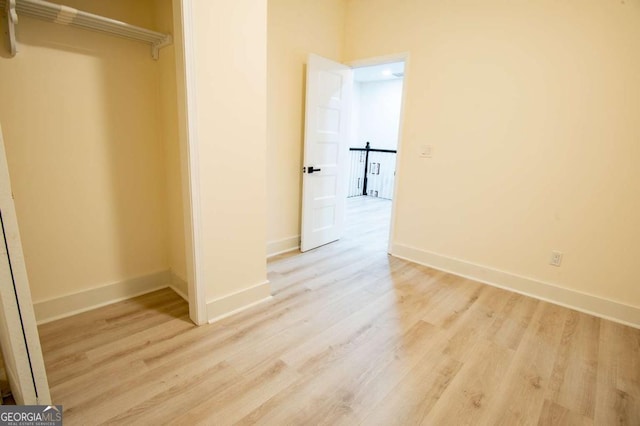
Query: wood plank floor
pixel 352 336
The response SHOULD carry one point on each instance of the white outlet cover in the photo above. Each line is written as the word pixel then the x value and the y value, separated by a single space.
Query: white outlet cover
pixel 426 151
pixel 556 258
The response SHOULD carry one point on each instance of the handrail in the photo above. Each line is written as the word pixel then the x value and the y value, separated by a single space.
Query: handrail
pixel 367 149
pixel 393 151
pixel 65 15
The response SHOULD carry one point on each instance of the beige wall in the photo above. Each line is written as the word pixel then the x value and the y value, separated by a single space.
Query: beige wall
pixel 81 118
pixel 295 29
pixel 230 85
pixel 170 138
pixel 532 109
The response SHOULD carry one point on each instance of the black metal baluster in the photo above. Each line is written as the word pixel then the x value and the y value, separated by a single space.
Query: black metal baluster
pixel 366 167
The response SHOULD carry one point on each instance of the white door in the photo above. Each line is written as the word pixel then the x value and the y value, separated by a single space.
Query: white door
pixel 325 152
pixel 18 332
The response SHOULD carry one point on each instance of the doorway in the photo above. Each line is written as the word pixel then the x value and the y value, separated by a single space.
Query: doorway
pixel 373 142
pixel 368 97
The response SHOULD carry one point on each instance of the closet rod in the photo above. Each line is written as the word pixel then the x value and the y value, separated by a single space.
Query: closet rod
pixel 65 15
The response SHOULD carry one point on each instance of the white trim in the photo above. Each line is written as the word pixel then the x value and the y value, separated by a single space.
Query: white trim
pixel 179 293
pixel 573 299
pixel 85 300
pixel 19 340
pixel 180 286
pixel 399 151
pixel 238 301
pixel 284 245
pixel 244 308
pixel 191 174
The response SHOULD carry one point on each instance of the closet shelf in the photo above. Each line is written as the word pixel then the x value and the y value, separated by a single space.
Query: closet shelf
pixel 64 15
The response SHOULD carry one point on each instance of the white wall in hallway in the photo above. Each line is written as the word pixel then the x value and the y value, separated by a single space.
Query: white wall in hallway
pixel 377 109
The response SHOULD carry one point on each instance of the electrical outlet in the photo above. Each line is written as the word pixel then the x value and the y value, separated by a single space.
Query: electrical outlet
pixel 556 258
pixel 426 151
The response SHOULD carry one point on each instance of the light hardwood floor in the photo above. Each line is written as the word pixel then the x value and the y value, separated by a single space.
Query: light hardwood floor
pixel 352 336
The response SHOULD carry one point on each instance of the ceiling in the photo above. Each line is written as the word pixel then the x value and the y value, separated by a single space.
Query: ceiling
pixel 379 72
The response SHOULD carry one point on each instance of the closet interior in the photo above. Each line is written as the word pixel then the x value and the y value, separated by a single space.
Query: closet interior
pixel 91 134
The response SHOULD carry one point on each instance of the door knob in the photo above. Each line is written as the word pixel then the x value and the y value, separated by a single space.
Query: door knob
pixel 310 169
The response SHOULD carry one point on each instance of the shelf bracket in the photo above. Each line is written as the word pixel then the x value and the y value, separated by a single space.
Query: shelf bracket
pixel 155 47
pixel 12 20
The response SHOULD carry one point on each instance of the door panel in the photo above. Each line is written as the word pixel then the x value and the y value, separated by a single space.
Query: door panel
pixel 325 148
pixel 18 331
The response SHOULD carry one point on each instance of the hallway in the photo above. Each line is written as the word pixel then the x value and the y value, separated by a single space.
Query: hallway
pixel 367 221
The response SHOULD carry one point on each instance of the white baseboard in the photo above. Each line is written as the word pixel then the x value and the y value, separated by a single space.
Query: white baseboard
pixel 282 246
pixel 230 304
pixel 583 302
pixel 85 300
pixel 180 286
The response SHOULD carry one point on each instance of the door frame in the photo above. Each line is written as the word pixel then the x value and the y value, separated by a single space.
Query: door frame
pixel 24 362
pixel 381 60
pixel 189 157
